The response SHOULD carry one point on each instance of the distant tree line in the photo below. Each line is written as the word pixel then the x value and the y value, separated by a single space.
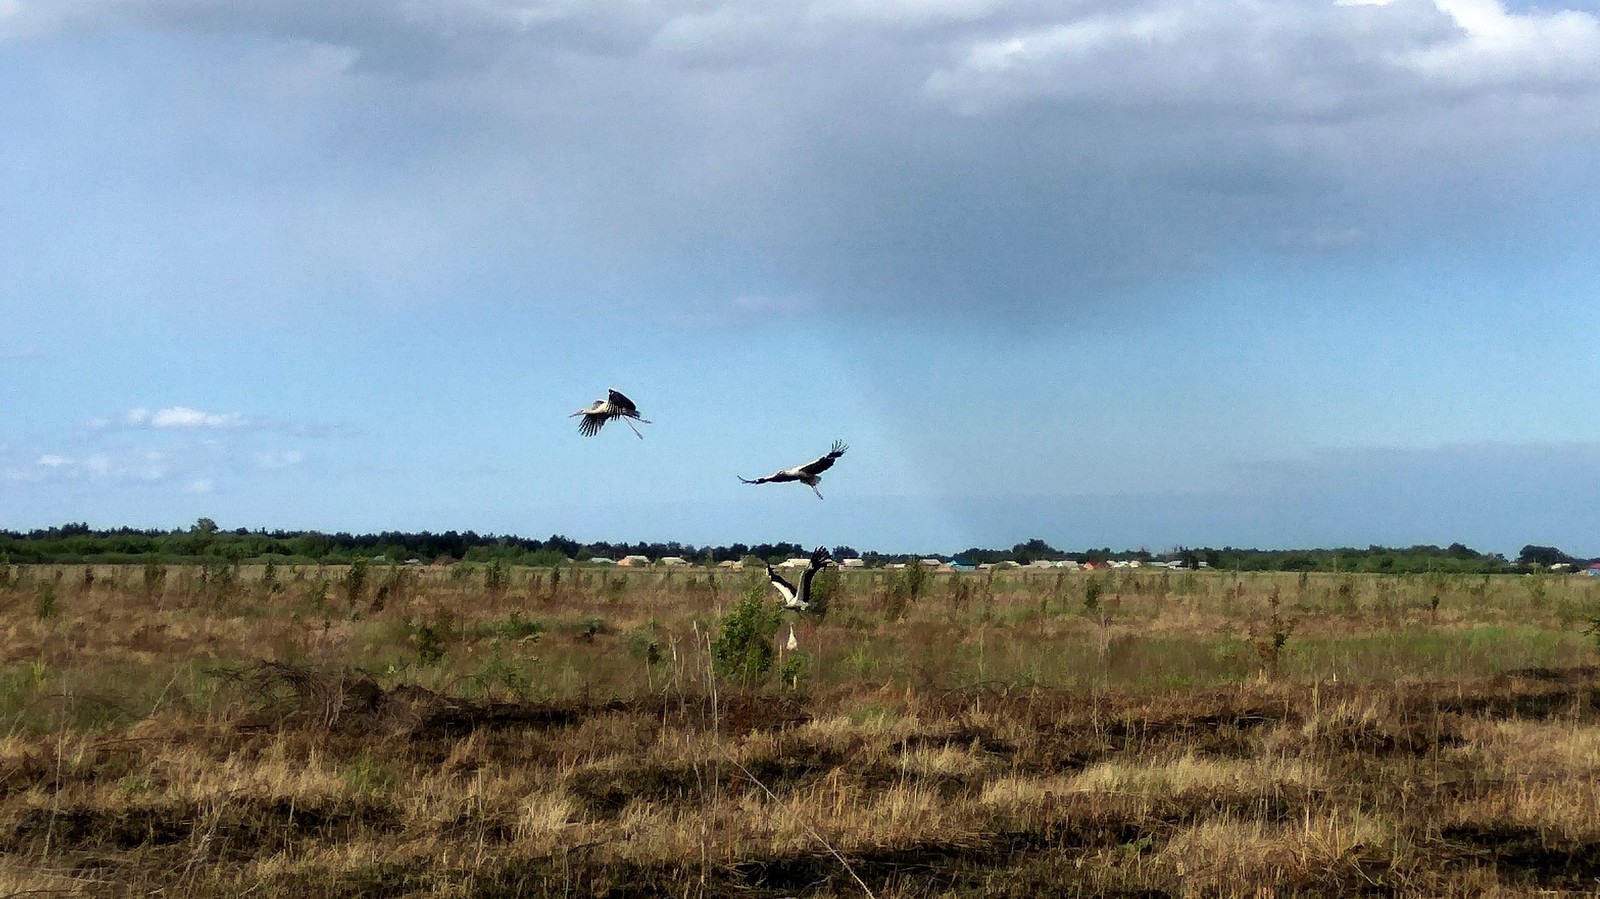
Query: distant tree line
pixel 1456 557
pixel 204 541
pixel 72 543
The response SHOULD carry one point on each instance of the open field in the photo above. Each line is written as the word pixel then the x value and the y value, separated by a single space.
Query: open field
pixel 478 731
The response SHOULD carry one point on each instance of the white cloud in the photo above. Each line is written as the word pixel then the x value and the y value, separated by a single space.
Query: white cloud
pixel 903 13
pixel 184 417
pixel 122 463
pixel 173 418
pixel 199 485
pixel 1536 49
pixel 1277 59
pixel 274 460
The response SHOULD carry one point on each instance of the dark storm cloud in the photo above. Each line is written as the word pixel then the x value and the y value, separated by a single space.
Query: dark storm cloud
pixel 917 153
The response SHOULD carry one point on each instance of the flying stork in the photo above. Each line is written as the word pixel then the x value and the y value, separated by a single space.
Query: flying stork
pixel 800 601
pixel 810 473
pixel 615 405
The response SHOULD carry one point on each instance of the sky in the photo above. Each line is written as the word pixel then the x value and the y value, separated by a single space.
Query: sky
pixel 1126 273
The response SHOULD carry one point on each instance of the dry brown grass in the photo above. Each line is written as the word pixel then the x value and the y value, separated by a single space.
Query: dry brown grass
pixel 196 744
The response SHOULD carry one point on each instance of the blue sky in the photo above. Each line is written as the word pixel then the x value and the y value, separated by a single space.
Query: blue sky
pixel 1110 272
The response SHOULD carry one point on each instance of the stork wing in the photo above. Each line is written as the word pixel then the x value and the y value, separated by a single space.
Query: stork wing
pixel 591 423
pixel 784 587
pixel 618 401
pixel 824 463
pixel 819 560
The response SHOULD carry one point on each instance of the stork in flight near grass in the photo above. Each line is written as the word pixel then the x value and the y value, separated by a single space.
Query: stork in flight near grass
pixel 810 473
pixel 615 405
pixel 800 601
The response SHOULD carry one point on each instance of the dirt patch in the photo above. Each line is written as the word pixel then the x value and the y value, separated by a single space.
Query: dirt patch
pixel 249 825
pixel 606 792
pixel 993 864
pixel 1526 857
pixel 279 695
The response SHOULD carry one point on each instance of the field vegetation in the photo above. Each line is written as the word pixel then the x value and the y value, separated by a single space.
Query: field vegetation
pixel 486 730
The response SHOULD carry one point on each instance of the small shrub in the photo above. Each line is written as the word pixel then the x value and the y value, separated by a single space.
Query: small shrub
pixel 961 591
pixel 592 627
pixel 45 605
pixel 218 578
pixel 355 581
pixel 904 588
pixel 1591 619
pixel 495 577
pixel 1345 594
pixel 317 591
pixel 516 627
pixel 1270 645
pixel 269 579
pixel 643 644
pixel 826 585
pixel 743 648
pixel 430 637
pixel 615 588
pixel 795 671
pixel 1537 585
pixel 1092 591
pixel 501 673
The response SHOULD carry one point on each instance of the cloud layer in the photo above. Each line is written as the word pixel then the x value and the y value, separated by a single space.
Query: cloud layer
pixel 173 445
pixel 853 155
pixel 182 418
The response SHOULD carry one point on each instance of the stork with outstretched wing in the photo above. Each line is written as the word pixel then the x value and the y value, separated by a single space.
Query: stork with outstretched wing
pixel 615 405
pixel 809 474
pixel 800 600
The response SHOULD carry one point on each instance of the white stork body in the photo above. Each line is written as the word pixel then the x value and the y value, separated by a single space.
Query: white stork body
pixel 809 474
pixel 615 405
pixel 799 600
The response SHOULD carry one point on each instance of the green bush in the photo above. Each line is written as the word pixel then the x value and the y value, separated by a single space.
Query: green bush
pixel 743 648
pixel 430 637
pixel 155 579
pixel 495 577
pixel 44 604
pixel 355 581
pixel 516 627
